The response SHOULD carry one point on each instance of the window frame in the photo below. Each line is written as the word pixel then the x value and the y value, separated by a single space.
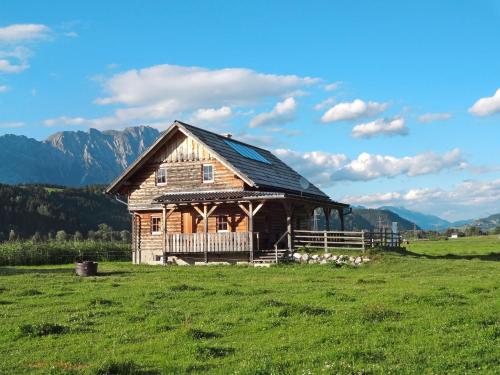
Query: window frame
pixel 165 176
pixel 203 173
pixel 158 225
pixel 225 221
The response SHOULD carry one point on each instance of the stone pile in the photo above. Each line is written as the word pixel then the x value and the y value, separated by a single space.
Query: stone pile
pixel 328 258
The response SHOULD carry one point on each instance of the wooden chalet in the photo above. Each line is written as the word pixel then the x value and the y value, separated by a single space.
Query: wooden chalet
pixel 197 196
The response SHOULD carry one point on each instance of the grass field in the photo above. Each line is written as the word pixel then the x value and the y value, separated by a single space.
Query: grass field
pixel 428 312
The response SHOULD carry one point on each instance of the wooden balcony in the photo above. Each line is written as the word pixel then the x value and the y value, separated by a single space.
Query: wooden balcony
pixel 220 242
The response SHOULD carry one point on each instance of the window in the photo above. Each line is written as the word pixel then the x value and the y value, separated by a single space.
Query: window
pixel 161 176
pixel 208 173
pixel 222 224
pixel 155 225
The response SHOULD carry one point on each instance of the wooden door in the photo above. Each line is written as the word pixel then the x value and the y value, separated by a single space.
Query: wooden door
pixel 187 222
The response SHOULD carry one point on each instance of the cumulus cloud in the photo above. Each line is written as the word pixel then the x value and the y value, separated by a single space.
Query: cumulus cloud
pixel 325 103
pixel 23 33
pixel 327 168
pixel 438 116
pixel 4 88
pixel 14 54
pixel 196 87
pixel 390 127
pixel 486 106
pixel 212 114
pixel 482 197
pixel 282 113
pixel 353 110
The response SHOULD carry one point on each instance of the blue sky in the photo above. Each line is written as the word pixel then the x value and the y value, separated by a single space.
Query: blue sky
pixel 380 103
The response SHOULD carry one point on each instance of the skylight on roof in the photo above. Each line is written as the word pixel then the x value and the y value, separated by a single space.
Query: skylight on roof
pixel 247 152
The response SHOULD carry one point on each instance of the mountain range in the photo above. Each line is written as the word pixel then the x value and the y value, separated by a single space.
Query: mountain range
pixel 425 221
pixel 72 158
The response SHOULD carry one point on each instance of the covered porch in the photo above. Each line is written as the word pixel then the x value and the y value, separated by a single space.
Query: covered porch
pixel 235 224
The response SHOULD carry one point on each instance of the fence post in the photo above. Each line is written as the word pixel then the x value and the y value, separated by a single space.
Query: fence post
pixel 363 240
pixel 325 237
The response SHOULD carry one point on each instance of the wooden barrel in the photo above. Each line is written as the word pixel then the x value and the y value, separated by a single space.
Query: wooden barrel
pixel 86 268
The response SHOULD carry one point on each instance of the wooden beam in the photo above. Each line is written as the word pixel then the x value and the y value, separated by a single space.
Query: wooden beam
pixel 164 231
pixel 243 208
pixel 250 228
pixel 289 211
pixel 205 230
pixel 258 208
pixel 327 211
pixel 199 211
pixel 212 210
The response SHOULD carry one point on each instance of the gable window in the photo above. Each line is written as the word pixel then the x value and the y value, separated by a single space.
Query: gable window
pixel 208 173
pixel 161 176
pixel 155 225
pixel 222 224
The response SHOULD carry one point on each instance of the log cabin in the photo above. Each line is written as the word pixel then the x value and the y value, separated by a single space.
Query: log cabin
pixel 197 197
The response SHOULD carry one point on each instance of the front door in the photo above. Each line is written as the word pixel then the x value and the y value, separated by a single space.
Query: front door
pixel 187 222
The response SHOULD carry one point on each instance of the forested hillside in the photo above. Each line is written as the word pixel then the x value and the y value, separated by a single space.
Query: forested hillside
pixel 27 209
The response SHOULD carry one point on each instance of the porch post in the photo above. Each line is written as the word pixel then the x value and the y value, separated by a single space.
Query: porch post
pixel 205 230
pixel 327 211
pixel 164 227
pixel 341 217
pixel 289 210
pixel 250 228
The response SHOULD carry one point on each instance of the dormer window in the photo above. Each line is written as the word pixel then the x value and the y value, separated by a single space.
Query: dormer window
pixel 208 173
pixel 161 176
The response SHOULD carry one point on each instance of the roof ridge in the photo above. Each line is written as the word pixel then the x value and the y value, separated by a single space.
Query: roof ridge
pixel 221 136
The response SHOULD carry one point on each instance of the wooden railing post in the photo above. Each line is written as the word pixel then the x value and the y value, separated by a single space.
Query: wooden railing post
pixel 325 237
pixel 363 240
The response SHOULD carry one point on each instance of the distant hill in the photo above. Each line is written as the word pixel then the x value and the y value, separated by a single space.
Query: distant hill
pixel 424 221
pixel 487 223
pixel 368 219
pixel 30 208
pixel 72 158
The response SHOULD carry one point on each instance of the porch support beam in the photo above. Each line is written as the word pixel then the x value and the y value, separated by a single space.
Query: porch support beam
pixel 166 215
pixel 341 217
pixel 327 211
pixel 250 228
pixel 289 211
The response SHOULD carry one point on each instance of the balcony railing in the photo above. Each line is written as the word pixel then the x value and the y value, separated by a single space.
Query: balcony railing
pixel 230 242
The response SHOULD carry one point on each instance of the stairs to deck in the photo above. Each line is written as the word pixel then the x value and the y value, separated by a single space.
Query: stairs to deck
pixel 269 256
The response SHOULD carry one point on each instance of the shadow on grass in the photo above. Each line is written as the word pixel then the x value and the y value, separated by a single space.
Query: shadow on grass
pixel 13 270
pixel 492 257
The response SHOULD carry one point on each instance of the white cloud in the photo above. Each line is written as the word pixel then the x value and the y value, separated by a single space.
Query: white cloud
pixel 23 33
pixel 325 103
pixel 282 113
pixel 353 110
pixel 196 87
pixel 332 86
pixel 14 55
pixel 486 106
pixel 7 67
pixel 4 88
pixel 212 114
pixel 326 168
pixel 438 116
pixel 467 199
pixel 12 125
pixel 390 127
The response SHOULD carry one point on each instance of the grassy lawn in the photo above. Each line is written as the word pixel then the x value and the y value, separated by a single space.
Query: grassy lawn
pixel 420 314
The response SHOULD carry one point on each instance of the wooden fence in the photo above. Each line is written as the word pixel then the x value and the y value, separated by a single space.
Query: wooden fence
pixel 230 242
pixel 347 240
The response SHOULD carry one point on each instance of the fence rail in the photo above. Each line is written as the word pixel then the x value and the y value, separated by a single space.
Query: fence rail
pixel 348 240
pixel 230 242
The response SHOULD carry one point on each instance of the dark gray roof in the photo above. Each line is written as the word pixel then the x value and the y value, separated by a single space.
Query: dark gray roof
pixel 276 175
pixel 202 196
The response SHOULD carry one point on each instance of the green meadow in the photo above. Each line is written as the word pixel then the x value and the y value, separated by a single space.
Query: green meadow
pixel 432 310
